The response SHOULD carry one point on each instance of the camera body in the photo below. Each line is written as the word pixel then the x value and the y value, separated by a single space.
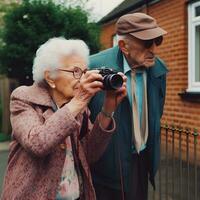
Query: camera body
pixel 111 80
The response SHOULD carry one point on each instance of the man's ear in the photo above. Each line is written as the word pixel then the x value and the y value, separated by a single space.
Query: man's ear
pixel 50 81
pixel 123 47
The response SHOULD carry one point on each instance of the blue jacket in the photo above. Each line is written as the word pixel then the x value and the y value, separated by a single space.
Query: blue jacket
pixel 106 171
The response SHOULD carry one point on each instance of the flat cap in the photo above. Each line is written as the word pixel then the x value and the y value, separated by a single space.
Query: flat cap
pixel 139 25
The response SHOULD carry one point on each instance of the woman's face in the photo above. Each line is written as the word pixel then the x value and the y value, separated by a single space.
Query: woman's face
pixel 66 85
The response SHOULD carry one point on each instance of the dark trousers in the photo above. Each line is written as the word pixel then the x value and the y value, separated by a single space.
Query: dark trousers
pixel 139 182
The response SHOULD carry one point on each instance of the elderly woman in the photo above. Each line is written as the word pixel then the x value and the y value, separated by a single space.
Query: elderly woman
pixel 53 140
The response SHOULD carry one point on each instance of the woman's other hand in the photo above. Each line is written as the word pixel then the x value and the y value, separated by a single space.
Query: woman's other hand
pixel 111 101
pixel 114 97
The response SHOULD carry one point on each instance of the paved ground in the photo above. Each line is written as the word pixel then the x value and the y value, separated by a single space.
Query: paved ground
pixel 175 184
pixel 4 146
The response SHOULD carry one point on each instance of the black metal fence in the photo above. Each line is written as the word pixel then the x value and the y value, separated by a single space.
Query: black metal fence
pixel 179 173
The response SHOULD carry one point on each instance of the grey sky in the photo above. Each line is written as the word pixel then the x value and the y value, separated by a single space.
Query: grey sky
pixel 102 7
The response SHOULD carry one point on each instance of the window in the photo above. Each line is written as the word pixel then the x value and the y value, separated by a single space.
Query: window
pixel 114 39
pixel 194 47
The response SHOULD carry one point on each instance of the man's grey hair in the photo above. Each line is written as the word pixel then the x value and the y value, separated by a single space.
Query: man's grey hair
pixel 49 54
pixel 121 37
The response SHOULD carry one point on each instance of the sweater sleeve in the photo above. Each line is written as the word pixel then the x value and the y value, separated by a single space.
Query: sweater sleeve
pixel 39 136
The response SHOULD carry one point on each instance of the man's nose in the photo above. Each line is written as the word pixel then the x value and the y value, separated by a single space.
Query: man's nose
pixel 153 47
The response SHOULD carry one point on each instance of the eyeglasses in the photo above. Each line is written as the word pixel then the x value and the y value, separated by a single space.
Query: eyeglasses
pixel 77 72
pixel 158 41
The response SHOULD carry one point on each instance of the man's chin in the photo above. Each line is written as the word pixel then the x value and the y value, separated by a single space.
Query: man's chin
pixel 149 63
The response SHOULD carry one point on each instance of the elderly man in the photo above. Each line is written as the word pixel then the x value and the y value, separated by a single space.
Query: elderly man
pixel 133 153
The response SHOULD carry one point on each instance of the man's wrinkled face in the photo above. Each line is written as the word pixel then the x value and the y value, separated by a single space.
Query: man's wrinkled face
pixel 141 52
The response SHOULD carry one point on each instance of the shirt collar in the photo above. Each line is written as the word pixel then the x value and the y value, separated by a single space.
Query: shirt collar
pixel 127 67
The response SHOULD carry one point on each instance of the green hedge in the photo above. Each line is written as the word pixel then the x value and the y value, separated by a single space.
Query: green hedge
pixel 4 137
pixel 32 23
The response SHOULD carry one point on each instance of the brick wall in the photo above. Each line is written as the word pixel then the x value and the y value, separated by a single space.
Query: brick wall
pixel 172 16
pixel 107 33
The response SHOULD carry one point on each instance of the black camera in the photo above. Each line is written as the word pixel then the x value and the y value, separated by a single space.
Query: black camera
pixel 111 80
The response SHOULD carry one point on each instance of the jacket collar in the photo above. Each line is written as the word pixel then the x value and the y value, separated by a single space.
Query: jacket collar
pixel 38 94
pixel 120 59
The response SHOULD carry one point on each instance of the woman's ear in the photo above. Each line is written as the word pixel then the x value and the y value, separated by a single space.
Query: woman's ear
pixel 50 81
pixel 123 47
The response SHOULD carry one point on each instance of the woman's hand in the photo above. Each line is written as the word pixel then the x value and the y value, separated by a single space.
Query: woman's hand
pixel 89 85
pixel 114 97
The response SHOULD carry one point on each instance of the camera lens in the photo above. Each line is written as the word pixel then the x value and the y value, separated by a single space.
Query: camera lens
pixel 112 81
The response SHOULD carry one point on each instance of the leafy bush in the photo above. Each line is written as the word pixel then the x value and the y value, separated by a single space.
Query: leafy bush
pixel 33 22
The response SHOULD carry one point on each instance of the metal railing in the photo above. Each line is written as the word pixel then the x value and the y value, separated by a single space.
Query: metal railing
pixel 178 177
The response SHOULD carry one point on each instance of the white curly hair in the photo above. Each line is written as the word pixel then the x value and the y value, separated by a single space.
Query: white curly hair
pixel 49 54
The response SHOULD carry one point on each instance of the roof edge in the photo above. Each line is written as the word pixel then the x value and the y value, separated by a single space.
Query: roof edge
pixel 118 14
pixel 138 4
